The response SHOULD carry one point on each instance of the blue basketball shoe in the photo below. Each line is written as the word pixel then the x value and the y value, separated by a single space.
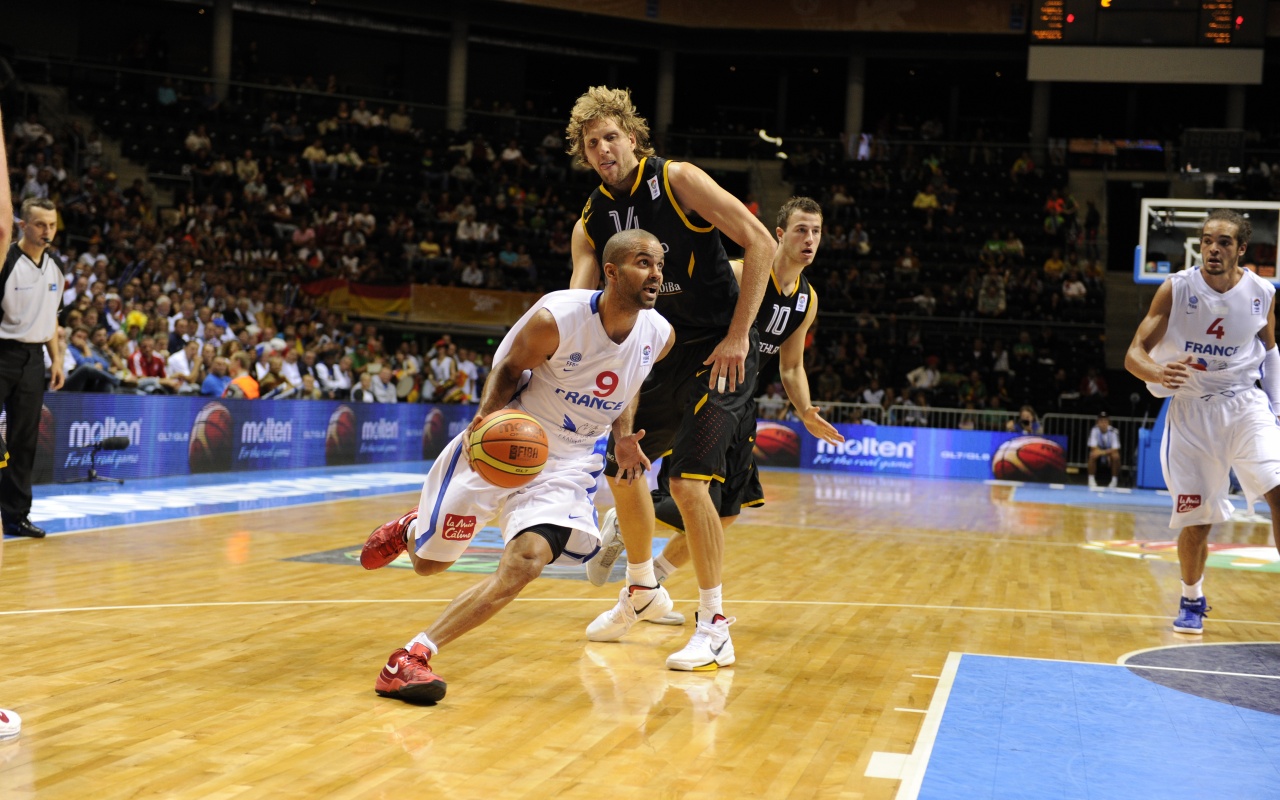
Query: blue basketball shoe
pixel 1191 616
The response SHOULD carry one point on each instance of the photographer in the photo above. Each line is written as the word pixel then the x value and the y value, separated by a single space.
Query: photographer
pixel 1026 423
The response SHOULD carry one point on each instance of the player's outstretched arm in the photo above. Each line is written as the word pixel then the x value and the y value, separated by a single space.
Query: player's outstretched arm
pixel 696 192
pixel 795 380
pixel 1151 330
pixel 586 269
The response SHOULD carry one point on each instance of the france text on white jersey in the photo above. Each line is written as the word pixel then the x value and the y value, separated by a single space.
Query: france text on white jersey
pixel 1218 332
pixel 583 388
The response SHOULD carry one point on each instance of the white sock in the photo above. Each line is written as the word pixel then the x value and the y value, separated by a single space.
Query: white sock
pixel 411 531
pixel 1093 482
pixel 641 574
pixel 709 604
pixel 663 568
pixel 423 640
pixel 1193 591
pixel 1114 482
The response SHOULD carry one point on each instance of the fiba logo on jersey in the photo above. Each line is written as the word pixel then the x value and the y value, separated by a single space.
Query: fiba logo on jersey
pixel 646 355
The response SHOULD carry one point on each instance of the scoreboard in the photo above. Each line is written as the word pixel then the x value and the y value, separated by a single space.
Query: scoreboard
pixel 1160 23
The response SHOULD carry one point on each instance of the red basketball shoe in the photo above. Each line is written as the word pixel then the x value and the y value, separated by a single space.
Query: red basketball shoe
pixel 408 676
pixel 386 542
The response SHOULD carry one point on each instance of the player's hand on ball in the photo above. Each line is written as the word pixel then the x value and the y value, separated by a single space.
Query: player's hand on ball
pixel 632 462
pixel 819 427
pixel 466 440
pixel 728 364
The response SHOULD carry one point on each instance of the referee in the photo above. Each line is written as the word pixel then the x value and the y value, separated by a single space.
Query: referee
pixel 31 286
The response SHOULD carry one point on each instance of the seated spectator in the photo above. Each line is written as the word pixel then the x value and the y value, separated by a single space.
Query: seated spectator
pixel 769 405
pixel 907 267
pixel 186 368
pixel 319 161
pixel 383 385
pixel 198 140
pixel 90 370
pixel 216 382
pixel 1054 266
pixel 149 368
pixel 363 391
pixel 926 377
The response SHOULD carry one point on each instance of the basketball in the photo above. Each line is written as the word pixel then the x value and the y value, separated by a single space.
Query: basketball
pixel 777 445
pixel 508 449
pixel 340 438
pixel 211 444
pixel 1030 458
pixel 435 434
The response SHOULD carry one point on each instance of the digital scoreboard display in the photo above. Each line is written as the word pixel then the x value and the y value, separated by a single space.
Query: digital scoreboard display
pixel 1161 23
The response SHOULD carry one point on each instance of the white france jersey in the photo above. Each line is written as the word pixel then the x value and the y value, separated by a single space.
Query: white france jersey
pixel 1219 332
pixel 586 384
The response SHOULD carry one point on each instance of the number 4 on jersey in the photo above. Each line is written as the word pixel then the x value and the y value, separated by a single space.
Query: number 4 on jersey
pixel 1216 329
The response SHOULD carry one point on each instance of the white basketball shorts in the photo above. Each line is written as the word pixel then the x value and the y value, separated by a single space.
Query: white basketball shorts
pixel 456 503
pixel 1204 439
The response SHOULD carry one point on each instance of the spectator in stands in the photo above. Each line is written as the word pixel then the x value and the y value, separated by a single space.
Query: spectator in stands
pixel 462 174
pixel 1054 266
pixel 338 384
pixel 917 413
pixel 290 369
pixel 198 140
pixel 1093 390
pixel 770 404
pixel 363 391
pixel 926 377
pixel 216 382
pixel 383 384
pixel 1104 448
pixel 149 368
pixel 1073 290
pixel 89 371
pixel 319 161
pixel 992 302
pixel 925 206
pixel 907 267
pixel 400 122
pixel 973 390
pixel 185 367
pixel 1026 422
pixel 348 161
pixel 1022 167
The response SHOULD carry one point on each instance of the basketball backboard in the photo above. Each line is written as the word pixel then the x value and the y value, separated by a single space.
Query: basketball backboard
pixel 1168 236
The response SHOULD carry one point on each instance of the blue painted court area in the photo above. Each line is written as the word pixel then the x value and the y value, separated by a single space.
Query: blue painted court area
pixel 1026 729
pixel 61 508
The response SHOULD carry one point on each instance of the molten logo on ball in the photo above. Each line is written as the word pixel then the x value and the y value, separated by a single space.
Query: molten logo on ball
pixel 1030 458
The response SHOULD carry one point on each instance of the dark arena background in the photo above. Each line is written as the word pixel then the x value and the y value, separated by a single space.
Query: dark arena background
pixel 952 603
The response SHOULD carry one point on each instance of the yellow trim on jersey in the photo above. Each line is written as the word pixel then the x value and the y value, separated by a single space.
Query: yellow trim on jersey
pixel 707 478
pixel 664 455
pixel 691 257
pixel 666 182
pixel 701 403
pixel 773 277
pixel 605 191
pixel 639 175
pixel 585 233
pixel 753 503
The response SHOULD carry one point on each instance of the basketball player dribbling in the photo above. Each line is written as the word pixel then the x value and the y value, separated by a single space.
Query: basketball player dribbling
pixel 789 308
pixel 574 362
pixel 1207 339
pixel 694 403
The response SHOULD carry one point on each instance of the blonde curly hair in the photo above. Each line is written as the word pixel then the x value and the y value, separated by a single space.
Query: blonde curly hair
pixel 601 102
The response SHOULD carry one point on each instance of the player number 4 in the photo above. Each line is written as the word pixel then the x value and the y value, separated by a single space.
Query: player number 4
pixel 1216 329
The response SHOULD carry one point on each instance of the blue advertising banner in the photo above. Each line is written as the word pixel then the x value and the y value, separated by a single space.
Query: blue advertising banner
pixel 926 452
pixel 186 435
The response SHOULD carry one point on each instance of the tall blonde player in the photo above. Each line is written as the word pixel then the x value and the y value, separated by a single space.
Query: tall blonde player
pixel 1208 338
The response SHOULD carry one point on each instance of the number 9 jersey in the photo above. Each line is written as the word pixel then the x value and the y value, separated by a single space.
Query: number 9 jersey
pixel 1217 332
pixel 578 393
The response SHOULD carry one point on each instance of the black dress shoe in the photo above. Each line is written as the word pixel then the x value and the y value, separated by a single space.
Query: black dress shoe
pixel 23 528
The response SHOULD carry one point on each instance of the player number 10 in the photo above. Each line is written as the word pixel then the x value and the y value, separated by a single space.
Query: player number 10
pixel 778 322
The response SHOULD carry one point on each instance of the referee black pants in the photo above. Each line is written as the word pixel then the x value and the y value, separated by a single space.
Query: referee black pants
pixel 22 391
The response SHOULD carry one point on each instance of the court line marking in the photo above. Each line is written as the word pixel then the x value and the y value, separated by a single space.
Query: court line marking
pixel 930 677
pixel 886 765
pixel 1144 666
pixel 913 710
pixel 818 603
pixel 914 767
pixel 9 540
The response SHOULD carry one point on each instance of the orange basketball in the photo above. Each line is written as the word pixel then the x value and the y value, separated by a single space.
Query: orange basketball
pixel 508 448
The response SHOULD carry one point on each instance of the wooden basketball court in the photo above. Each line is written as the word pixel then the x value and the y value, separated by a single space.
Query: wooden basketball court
pixel 194 659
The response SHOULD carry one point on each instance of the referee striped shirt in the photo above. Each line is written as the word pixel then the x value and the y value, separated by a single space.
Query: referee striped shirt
pixel 30 294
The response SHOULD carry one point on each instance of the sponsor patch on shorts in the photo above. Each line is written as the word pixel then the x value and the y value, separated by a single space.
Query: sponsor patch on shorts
pixel 1188 502
pixel 461 529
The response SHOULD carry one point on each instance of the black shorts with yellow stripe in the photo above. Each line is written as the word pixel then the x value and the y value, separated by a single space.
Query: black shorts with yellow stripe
pixel 741 487
pixel 4 454
pixel 697 426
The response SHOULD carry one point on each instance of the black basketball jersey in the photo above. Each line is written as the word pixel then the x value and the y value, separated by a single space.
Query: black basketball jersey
pixel 699 291
pixel 781 315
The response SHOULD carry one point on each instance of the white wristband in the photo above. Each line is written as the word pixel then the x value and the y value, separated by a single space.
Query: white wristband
pixel 1271 377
